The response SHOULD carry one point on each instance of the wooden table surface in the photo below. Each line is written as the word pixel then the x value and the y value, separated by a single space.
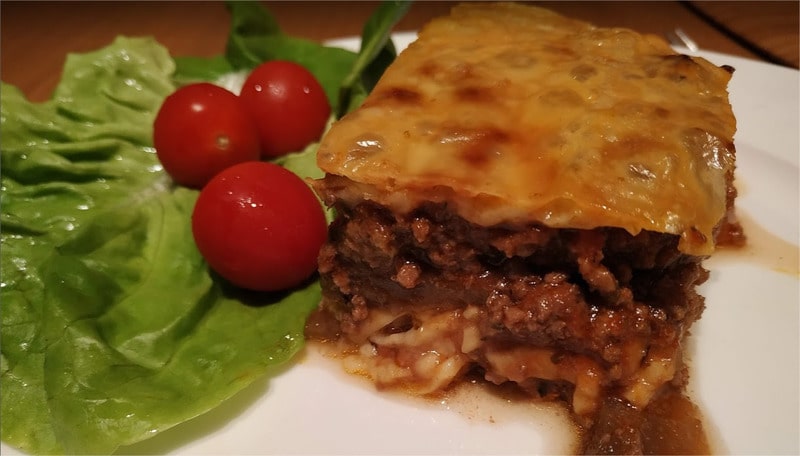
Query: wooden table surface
pixel 36 36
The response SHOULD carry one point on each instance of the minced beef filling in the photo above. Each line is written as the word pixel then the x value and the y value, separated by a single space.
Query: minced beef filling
pixel 583 291
pixel 600 294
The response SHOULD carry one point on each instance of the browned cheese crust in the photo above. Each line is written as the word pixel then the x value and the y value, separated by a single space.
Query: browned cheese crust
pixel 513 114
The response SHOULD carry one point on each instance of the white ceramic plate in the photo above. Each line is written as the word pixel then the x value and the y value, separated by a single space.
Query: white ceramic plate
pixel 744 351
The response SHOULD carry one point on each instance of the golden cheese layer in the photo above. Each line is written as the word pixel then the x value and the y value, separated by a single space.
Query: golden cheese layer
pixel 513 114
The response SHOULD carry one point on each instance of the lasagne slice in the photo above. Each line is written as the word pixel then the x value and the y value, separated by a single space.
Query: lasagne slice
pixel 527 197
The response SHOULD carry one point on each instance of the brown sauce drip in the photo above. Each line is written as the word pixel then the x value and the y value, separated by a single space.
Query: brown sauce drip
pixel 670 424
pixel 761 249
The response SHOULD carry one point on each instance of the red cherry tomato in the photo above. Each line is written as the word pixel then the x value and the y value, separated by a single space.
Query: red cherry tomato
pixel 288 104
pixel 259 226
pixel 202 129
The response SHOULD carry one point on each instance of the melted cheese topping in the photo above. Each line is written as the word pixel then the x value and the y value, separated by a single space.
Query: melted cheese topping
pixel 515 114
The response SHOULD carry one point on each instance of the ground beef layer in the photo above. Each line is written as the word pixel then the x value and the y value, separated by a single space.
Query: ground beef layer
pixel 425 297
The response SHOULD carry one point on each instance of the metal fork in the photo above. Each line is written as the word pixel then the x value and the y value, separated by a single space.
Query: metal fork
pixel 678 37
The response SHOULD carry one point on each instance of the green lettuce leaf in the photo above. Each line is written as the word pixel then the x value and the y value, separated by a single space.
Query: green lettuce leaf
pixel 189 69
pixel 113 328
